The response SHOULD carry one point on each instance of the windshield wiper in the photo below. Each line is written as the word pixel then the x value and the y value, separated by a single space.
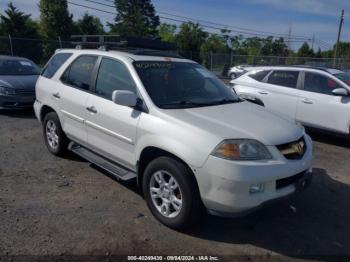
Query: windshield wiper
pixel 225 101
pixel 187 104
pixel 183 104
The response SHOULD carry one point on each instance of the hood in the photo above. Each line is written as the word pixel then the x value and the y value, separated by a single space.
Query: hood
pixel 18 81
pixel 240 120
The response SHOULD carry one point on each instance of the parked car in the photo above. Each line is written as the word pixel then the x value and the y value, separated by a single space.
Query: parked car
pixel 315 97
pixel 237 71
pixel 187 139
pixel 18 76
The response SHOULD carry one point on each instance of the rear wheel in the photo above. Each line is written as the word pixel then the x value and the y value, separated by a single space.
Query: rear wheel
pixel 171 193
pixel 55 139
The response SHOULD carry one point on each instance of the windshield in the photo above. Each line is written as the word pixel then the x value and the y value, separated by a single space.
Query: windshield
pixel 17 67
pixel 182 85
pixel 344 77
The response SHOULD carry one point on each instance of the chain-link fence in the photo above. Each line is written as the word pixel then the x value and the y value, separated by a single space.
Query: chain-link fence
pixel 40 51
pixel 220 63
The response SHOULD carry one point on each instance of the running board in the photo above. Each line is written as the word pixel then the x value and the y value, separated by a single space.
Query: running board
pixel 114 169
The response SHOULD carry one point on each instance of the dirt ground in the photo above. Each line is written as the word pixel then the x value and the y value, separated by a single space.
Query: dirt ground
pixel 63 206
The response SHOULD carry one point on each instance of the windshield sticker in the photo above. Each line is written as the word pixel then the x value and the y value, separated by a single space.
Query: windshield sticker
pixel 25 63
pixel 205 73
pixel 153 65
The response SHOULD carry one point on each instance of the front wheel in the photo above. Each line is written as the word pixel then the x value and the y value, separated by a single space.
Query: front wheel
pixel 55 139
pixel 171 193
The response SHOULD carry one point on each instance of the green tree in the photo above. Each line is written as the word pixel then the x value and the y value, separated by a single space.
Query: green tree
pixel 343 50
pixel 214 44
pixel 19 25
pixel 55 21
pixel 190 38
pixel 167 32
pixel 319 53
pixel 305 51
pixel 135 18
pixel 89 25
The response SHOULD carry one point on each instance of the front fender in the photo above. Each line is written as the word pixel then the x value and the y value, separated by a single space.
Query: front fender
pixel 190 155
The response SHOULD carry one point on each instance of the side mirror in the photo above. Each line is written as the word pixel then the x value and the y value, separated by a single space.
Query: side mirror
pixel 124 98
pixel 340 92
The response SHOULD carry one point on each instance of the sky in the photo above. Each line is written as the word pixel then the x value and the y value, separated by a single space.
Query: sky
pixel 304 18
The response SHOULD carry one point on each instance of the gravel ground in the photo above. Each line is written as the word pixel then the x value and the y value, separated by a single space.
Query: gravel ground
pixel 63 206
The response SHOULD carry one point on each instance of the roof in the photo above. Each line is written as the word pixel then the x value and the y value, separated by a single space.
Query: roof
pixel 14 58
pixel 135 55
pixel 295 67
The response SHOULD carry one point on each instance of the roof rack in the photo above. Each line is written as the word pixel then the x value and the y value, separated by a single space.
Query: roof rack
pixel 135 45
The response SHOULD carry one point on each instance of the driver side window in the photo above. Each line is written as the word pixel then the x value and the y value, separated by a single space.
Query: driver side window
pixel 318 83
pixel 113 75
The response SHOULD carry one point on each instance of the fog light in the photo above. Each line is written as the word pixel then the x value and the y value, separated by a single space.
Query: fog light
pixel 256 188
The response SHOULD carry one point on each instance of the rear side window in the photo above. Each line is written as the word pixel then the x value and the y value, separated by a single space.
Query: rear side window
pixel 54 64
pixel 113 75
pixel 284 78
pixel 79 73
pixel 260 75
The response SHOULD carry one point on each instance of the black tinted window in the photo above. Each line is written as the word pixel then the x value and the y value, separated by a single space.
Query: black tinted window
pixel 284 78
pixel 319 84
pixel 259 76
pixel 54 64
pixel 17 67
pixel 113 75
pixel 79 72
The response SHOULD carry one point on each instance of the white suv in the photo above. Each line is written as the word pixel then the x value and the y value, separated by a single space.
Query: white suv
pixel 315 97
pixel 189 141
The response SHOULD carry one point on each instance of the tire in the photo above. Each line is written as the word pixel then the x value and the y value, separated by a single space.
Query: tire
pixel 55 139
pixel 233 76
pixel 191 208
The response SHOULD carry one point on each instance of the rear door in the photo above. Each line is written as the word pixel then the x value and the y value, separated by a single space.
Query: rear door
pixel 279 91
pixel 318 107
pixel 111 128
pixel 76 84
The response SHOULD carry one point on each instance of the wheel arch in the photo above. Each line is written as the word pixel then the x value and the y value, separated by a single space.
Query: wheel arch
pixel 45 109
pixel 148 154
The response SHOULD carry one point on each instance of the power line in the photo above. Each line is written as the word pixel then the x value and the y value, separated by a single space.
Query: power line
pixel 241 30
pixel 296 40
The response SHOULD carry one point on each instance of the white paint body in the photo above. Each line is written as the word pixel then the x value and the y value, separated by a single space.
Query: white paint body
pixel 121 134
pixel 312 109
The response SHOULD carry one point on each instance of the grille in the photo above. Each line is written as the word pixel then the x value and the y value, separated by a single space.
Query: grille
pixel 293 150
pixel 25 92
pixel 288 180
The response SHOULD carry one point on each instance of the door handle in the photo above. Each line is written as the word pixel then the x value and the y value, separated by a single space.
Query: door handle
pixel 306 101
pixel 91 109
pixel 263 92
pixel 56 95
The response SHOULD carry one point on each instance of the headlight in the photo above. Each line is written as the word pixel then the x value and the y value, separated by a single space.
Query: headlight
pixel 241 149
pixel 7 91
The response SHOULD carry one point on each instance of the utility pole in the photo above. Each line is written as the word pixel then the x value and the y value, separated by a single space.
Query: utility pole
pixel 313 41
pixel 11 47
pixel 339 32
pixel 289 37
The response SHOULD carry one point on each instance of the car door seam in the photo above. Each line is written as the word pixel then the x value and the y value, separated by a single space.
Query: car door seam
pixel 109 132
pixel 72 116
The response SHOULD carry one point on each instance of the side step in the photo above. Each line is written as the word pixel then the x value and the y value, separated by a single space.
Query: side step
pixel 114 169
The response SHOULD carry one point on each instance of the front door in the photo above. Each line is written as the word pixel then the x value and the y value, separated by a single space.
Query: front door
pixel 318 107
pixel 112 128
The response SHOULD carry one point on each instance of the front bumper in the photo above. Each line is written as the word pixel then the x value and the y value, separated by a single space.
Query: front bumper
pixel 15 101
pixel 226 186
